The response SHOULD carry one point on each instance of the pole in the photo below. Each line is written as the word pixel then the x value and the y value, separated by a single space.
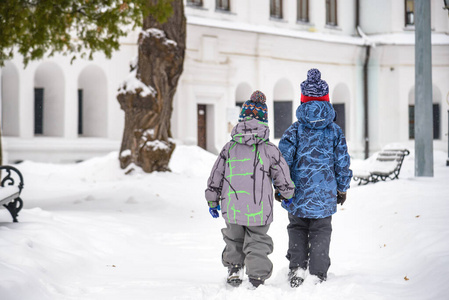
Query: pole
pixel 447 161
pixel 365 101
pixel 423 91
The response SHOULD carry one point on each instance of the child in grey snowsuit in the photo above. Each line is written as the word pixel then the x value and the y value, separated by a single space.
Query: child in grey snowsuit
pixel 240 184
pixel 316 152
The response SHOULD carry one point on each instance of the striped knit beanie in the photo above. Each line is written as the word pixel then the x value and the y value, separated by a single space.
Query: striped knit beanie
pixel 314 88
pixel 255 108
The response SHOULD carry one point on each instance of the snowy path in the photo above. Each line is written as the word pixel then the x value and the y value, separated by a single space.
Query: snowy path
pixel 90 232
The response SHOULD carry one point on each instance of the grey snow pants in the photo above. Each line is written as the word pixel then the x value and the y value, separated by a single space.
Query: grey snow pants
pixel 309 242
pixel 248 246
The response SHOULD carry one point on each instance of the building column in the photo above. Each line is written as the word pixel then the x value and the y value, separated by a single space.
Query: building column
pixel 71 107
pixel 26 103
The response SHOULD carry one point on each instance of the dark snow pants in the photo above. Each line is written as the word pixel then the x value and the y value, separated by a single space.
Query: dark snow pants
pixel 248 246
pixel 309 242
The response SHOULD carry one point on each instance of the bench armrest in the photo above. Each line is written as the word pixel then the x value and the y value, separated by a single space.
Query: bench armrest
pixel 9 178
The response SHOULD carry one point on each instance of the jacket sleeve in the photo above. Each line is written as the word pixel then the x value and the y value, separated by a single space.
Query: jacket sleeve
pixel 343 174
pixel 287 144
pixel 280 174
pixel 215 181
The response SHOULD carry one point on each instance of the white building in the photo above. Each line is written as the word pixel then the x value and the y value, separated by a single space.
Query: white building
pixel 58 112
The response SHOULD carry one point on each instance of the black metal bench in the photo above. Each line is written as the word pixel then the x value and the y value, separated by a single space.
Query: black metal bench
pixel 387 165
pixel 10 189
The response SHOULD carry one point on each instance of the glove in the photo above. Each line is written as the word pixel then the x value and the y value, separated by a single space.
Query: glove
pixel 341 197
pixel 287 202
pixel 214 211
pixel 278 195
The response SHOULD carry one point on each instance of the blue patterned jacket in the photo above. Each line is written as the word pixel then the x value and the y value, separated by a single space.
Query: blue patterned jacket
pixel 316 152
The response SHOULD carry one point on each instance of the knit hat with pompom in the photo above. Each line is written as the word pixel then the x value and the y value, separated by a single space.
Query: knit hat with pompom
pixel 255 108
pixel 314 88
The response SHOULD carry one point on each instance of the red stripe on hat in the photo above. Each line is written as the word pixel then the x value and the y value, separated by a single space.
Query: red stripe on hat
pixel 305 99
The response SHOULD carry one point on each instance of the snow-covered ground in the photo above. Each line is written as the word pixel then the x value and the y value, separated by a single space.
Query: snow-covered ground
pixel 88 231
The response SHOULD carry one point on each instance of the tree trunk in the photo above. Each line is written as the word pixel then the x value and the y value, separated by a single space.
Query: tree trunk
pixel 147 95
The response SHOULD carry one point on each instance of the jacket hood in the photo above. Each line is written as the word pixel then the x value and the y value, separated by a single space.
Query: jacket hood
pixel 315 114
pixel 250 132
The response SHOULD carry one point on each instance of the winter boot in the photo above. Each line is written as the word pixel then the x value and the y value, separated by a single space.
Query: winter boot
pixel 321 277
pixel 296 277
pixel 256 282
pixel 235 275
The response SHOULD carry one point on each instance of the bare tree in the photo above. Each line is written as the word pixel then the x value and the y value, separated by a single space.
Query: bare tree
pixel 147 95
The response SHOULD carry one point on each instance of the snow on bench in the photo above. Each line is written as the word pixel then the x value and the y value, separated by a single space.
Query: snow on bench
pixel 387 165
pixel 10 190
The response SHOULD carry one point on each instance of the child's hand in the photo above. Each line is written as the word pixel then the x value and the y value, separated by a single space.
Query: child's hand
pixel 287 202
pixel 278 195
pixel 214 211
pixel 341 197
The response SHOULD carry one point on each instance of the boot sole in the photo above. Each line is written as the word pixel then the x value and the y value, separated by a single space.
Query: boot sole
pixel 235 282
pixel 296 282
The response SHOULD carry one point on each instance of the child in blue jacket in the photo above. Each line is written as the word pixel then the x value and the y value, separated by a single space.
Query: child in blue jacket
pixel 316 152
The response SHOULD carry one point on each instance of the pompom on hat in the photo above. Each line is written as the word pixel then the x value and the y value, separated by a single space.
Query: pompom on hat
pixel 314 89
pixel 255 108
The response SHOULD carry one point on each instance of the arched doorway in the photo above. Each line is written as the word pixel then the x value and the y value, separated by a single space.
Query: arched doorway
pixel 49 87
pixel 283 106
pixel 340 101
pixel 92 102
pixel 436 113
pixel 10 100
pixel 242 93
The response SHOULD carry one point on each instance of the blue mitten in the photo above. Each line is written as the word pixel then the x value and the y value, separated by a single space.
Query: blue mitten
pixel 214 211
pixel 287 202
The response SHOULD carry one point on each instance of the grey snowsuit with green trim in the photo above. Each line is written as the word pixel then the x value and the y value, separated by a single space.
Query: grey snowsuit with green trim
pixel 241 181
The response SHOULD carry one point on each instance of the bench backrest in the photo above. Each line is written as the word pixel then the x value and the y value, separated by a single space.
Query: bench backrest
pixel 391 158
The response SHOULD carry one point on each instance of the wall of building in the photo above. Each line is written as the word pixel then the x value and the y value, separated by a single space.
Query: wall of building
pixel 229 55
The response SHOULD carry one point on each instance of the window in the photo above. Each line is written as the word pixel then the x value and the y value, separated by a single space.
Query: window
pixel 409 12
pixel 331 12
pixel 223 5
pixel 340 114
pixel 195 2
pixel 436 122
pixel 80 111
pixel 276 9
pixel 282 117
pixel 38 111
pixel 302 10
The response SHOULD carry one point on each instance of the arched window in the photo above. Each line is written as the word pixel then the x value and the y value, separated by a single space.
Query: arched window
pixel 283 107
pixel 10 100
